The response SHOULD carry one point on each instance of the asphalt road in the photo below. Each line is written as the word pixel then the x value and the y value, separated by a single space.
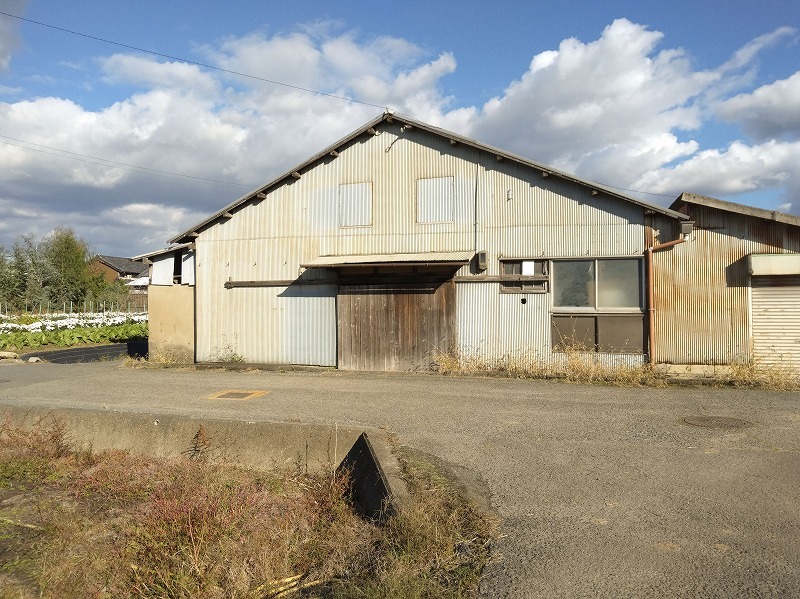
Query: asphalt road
pixel 603 492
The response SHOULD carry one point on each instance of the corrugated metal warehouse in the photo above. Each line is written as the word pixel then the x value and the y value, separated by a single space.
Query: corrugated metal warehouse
pixel 732 291
pixel 403 243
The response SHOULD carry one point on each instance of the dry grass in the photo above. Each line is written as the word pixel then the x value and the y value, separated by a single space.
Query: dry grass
pixel 589 367
pixel 761 375
pixel 77 524
pixel 157 359
pixel 571 365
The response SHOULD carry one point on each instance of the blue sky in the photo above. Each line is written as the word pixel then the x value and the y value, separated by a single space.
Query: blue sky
pixel 658 98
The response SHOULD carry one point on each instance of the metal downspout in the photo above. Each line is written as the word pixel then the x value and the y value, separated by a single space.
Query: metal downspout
pixel 651 311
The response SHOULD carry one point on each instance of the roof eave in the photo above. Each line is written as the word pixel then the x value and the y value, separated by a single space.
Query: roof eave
pixel 535 165
pixel 288 174
pixel 148 255
pixel 390 116
pixel 770 215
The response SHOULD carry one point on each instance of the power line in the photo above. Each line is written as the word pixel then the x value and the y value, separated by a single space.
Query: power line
pixel 110 163
pixel 650 193
pixel 222 70
pixel 194 62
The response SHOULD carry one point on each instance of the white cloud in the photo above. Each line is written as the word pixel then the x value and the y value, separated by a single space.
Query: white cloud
pixel 621 110
pixel 587 105
pixel 122 68
pixel 744 56
pixel 738 169
pixel 771 111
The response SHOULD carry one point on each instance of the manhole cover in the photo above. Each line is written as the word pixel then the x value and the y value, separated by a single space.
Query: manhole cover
pixel 236 394
pixel 724 422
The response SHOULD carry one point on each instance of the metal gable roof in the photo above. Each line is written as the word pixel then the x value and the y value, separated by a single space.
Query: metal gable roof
pixel 260 192
pixel 773 215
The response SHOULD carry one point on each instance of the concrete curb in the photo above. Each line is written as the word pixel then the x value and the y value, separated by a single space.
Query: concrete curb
pixel 261 445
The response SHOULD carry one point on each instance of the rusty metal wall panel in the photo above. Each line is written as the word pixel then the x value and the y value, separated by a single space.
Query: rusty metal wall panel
pixel 702 286
pixel 776 320
pixel 395 327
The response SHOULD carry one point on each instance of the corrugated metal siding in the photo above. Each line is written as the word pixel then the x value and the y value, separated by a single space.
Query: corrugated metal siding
pixel 497 328
pixel 776 320
pixel 701 286
pixel 299 222
pixel 552 218
pixel 273 325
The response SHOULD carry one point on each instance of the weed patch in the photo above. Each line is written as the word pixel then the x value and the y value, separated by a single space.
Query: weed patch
pixel 761 375
pixel 115 525
pixel 571 364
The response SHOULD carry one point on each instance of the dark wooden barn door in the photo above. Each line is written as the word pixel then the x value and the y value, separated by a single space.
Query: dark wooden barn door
pixel 395 327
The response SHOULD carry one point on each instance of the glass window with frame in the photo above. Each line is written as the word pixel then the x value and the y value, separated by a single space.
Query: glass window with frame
pixel 524 276
pixel 597 284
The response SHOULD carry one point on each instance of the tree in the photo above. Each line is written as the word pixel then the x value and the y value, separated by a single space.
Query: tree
pixel 54 271
pixel 65 266
pixel 19 283
pixel 7 282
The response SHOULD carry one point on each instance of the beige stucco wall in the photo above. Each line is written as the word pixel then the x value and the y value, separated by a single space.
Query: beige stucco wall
pixel 171 322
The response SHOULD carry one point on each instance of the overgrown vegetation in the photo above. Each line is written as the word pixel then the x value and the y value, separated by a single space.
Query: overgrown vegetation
pixel 571 365
pixel 52 272
pixel 82 524
pixel 761 375
pixel 579 366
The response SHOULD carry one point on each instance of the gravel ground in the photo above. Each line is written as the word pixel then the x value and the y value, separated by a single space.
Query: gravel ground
pixel 603 492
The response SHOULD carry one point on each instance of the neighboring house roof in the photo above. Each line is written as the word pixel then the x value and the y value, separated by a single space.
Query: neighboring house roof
pixel 292 174
pixel 124 266
pixel 139 282
pixel 146 257
pixel 773 215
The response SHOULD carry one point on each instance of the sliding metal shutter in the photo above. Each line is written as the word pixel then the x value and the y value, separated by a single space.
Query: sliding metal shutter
pixel 776 320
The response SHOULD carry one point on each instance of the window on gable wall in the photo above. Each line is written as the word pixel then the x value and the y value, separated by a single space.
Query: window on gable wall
pixel 355 205
pixel 435 200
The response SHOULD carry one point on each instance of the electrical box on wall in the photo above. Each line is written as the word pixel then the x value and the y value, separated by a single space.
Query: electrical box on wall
pixel 482 260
